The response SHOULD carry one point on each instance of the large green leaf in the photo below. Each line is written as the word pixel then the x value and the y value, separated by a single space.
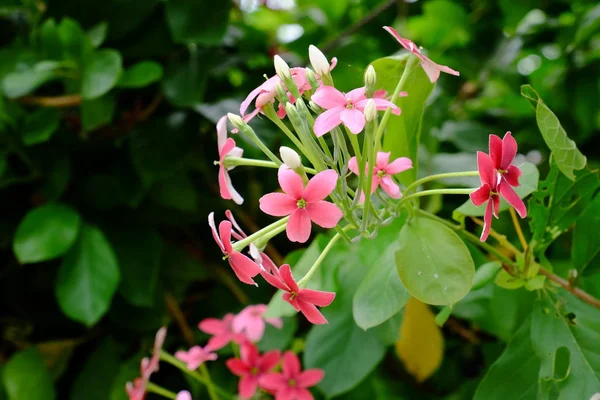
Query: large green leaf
pixel 141 74
pixel 278 338
pixel 100 74
pixel 403 132
pixel 564 150
pixel 528 184
pixel 564 335
pixel 433 263
pixel 88 277
pixel 515 374
pixel 97 112
pixel 182 17
pixel 558 203
pixel 46 233
pixel 40 125
pixel 25 377
pixel 586 241
pixel 25 81
pixel 381 294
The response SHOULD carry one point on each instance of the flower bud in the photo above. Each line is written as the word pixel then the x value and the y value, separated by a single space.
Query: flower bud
pixel 281 94
pixel 370 111
pixel 290 157
pixel 312 79
pixel 370 80
pixel 236 120
pixel 318 60
pixel 281 67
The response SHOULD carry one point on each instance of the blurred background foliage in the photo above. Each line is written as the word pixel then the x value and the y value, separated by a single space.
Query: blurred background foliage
pixel 107 132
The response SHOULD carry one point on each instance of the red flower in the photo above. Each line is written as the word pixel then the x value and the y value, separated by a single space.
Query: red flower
pixel 292 383
pixel 502 153
pixel 251 367
pixel 488 192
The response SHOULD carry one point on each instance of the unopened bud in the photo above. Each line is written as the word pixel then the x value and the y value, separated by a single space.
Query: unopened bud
pixel 236 120
pixel 370 80
pixel 281 94
pixel 318 60
pixel 290 157
pixel 281 67
pixel 312 79
pixel 314 107
pixel 370 110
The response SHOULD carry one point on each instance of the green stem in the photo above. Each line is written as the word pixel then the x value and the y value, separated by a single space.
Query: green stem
pixel 249 132
pixel 269 111
pixel 319 260
pixel 250 162
pixel 152 388
pixel 436 191
pixel 440 176
pixel 240 245
pixel 263 240
pixel 209 384
pixel 371 159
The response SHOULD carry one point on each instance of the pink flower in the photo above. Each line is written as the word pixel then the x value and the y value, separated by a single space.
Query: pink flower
pixel 251 322
pixel 251 367
pixel 227 147
pixel 292 383
pixel 222 331
pixel 137 389
pixel 303 300
pixel 303 204
pixel 196 356
pixel 243 267
pixel 347 109
pixel 488 192
pixel 431 69
pixel 382 172
pixel 184 395
pixel 502 153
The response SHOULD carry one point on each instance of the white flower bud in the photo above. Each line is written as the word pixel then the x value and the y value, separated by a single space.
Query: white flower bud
pixel 370 111
pixel 290 157
pixel 281 67
pixel 318 60
pixel 236 120
pixel 370 76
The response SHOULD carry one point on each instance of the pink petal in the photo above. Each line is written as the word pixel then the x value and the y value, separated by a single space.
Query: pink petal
pixel 380 104
pixel 390 187
pixel 243 267
pixel 226 189
pixel 298 226
pixel 383 159
pixel 273 281
pixel 431 69
pixel 320 186
pixel 237 367
pixel 291 365
pixel 292 299
pixel 495 199
pixel 256 330
pixel 356 95
pixel 448 70
pixel 290 182
pixel 249 354
pixel 247 386
pixel 269 360
pixel 276 322
pixel 310 377
pixel 324 213
pixel 317 297
pixel 278 204
pixel 221 132
pixel 225 235
pixel 329 97
pixel 399 165
pixel 273 382
pixel 184 395
pixel 288 278
pixel 509 150
pixel 213 228
pixel 219 341
pixel 212 326
pixel 312 314
pixel 328 120
pixel 353 165
pixel 512 175
pixel 303 394
pixel 513 198
pixel 487 219
pixel 228 146
pixel 289 393
pixel 353 119
pixel 248 100
pixel 496 151
pixel 481 195
pixel 407 44
pixel 487 173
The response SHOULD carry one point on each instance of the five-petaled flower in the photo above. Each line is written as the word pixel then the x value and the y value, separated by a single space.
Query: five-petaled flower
pixel 488 192
pixel 292 383
pixel 382 171
pixel 251 322
pixel 251 367
pixel 303 300
pixel 196 356
pixel 431 69
pixel 222 331
pixel 227 147
pixel 303 204
pixel 245 269
pixel 345 108
pixel 502 153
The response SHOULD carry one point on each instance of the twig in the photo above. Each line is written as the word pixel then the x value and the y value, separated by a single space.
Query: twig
pixel 581 294
pixel 70 100
pixel 332 44
pixel 465 333
pixel 144 114
pixel 179 318
pixel 517 225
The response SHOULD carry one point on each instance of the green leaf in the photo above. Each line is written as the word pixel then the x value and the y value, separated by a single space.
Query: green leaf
pixel 45 233
pixel 278 339
pixel 558 203
pixel 98 373
pixel 184 83
pixel 100 74
pixel 515 374
pixel 404 131
pixel 528 184
pixel 97 34
pixel 25 81
pixel 589 25
pixel 97 112
pixel 25 377
pixel 507 281
pixel 552 328
pixel 586 241
pixel 40 125
pixel 141 74
pixel 88 277
pixel 75 44
pixel 485 274
pixel 138 251
pixel 381 294
pixel 182 17
pixel 564 150
pixel 50 40
pixel 434 264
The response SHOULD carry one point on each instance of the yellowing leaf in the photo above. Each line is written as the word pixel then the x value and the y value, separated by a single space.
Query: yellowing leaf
pixel 421 344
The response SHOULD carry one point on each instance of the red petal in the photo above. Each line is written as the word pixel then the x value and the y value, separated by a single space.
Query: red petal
pixel 288 278
pixel 509 150
pixel 487 218
pixel 310 377
pixel 481 195
pixel 512 175
pixel 316 297
pixel 496 151
pixel 237 367
pixel 487 173
pixel 324 213
pixel 290 182
pixel 298 226
pixel 311 312
pixel 513 198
